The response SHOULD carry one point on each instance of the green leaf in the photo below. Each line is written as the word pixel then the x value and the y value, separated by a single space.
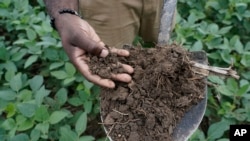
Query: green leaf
pixel 16 82
pixel 216 130
pixel 25 95
pixel 81 123
pixel 213 28
pixel 232 85
pixel 10 109
pixel 75 101
pixel 40 94
pixel 247 46
pixel 240 114
pixel 68 81
pixel 27 109
pixel 20 137
pixel 27 124
pixel 31 34
pixel 84 96
pixel 67 135
pixel 3 53
pixel 70 69
pixel 36 82
pixel 8 124
pixel 245 60
pixel 30 60
pixel 43 128
pixel 213 4
pixel 223 89
pixel 88 106
pixel 246 75
pixel 7 95
pixel 87 138
pixel 42 114
pixel 236 44
pixel 55 65
pixel 88 84
pixel 48 40
pixel 197 135
pixel 225 30
pixel 6 3
pixel 59 74
pixel 51 54
pixel 35 135
pixel 215 79
pixel 61 96
pixel 241 7
pixel 197 46
pixel 17 56
pixel 57 116
pixel 21 41
pixel 10 66
pixel 9 75
pixel 226 56
pixel 243 90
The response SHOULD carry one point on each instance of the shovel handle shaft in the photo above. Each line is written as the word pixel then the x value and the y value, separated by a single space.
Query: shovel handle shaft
pixel 167 17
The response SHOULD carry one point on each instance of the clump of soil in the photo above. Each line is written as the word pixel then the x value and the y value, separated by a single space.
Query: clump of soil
pixel 164 87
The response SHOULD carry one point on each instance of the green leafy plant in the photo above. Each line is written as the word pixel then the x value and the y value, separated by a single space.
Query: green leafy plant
pixel 221 29
pixel 42 96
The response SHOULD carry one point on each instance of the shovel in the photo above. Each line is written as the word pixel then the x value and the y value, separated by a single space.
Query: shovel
pixel 192 119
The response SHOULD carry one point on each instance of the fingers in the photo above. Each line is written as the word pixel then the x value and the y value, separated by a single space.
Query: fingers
pixel 128 68
pixel 123 77
pixel 101 82
pixel 121 52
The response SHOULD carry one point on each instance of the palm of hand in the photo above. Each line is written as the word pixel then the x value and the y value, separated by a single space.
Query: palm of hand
pixel 78 38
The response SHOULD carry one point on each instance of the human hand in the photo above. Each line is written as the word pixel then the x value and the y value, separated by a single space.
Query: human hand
pixel 78 39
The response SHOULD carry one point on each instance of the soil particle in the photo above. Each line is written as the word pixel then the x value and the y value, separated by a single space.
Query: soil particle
pixel 163 88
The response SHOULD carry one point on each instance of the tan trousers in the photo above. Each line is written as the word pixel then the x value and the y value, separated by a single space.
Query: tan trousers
pixel 117 22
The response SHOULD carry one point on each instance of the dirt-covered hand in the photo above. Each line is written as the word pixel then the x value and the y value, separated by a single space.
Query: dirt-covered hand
pixel 79 38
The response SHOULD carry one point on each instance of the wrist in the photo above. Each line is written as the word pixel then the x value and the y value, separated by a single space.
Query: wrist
pixel 53 6
pixel 55 21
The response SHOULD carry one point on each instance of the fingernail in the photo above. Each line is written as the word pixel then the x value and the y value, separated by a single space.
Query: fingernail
pixel 111 85
pixel 104 53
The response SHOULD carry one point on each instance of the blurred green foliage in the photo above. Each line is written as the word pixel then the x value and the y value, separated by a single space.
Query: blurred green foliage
pixel 221 28
pixel 43 97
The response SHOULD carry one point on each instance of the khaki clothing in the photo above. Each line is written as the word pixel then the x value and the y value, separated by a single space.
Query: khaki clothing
pixel 117 22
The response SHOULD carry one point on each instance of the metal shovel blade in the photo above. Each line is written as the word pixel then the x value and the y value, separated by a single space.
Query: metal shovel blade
pixel 191 120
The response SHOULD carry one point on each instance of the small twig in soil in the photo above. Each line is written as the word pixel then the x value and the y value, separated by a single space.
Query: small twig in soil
pixel 120 112
pixel 110 130
pixel 217 70
pixel 141 110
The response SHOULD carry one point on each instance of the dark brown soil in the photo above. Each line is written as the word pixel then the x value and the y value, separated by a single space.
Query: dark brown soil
pixel 164 87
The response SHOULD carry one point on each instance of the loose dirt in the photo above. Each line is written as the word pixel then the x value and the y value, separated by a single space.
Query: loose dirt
pixel 163 88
